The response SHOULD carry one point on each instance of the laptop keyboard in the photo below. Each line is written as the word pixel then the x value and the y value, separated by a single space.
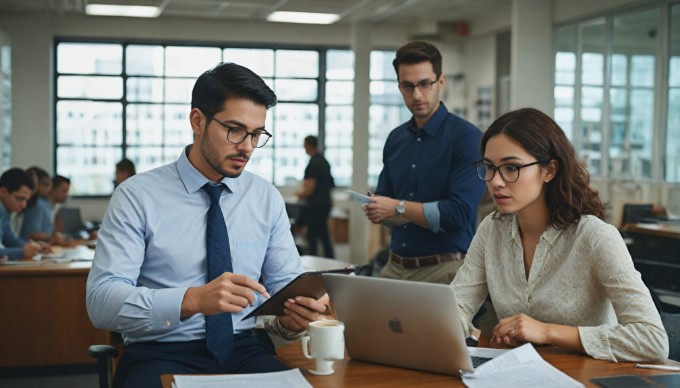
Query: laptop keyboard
pixel 477 361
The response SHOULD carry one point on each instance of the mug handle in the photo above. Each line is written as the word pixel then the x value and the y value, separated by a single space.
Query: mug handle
pixel 305 348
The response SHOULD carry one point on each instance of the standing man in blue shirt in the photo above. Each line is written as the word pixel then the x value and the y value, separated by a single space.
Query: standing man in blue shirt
pixel 428 191
pixel 150 279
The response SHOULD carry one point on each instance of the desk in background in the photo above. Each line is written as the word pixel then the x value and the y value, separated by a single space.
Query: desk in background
pixel 655 249
pixel 43 316
pixel 351 373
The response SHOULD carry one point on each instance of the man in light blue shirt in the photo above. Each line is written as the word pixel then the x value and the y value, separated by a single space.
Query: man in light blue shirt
pixel 149 279
pixel 15 190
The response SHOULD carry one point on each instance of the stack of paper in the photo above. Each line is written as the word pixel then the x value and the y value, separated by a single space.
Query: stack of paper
pixel 520 367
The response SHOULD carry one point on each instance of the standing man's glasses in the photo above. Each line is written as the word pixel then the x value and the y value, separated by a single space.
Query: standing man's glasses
pixel 237 135
pixel 509 172
pixel 423 86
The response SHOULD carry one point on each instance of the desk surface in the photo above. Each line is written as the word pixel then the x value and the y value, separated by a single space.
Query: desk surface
pixel 351 373
pixel 668 230
pixel 318 263
pixel 44 320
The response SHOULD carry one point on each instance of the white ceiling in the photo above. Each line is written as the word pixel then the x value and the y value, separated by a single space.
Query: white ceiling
pixel 374 11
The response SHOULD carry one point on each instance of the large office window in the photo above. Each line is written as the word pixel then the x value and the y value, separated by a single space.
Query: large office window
pixel 5 105
pixel 672 165
pixel 386 112
pixel 609 93
pixel 132 100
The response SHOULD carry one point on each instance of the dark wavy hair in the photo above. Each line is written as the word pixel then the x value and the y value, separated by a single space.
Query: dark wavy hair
pixel 568 194
pixel 416 52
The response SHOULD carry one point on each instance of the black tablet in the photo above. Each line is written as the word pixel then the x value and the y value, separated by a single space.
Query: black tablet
pixel 309 284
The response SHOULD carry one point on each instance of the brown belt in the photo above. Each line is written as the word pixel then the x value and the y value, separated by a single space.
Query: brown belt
pixel 425 261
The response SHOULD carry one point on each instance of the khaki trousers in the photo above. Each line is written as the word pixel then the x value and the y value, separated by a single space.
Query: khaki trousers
pixel 440 273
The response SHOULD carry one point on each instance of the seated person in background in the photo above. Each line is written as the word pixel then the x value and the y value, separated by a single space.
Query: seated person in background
pixel 57 196
pixel 15 190
pixel 38 221
pixel 42 222
pixel 17 219
pixel 124 169
pixel 181 248
pixel 556 273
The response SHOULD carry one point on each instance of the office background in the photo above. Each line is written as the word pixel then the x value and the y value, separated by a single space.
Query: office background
pixel 498 55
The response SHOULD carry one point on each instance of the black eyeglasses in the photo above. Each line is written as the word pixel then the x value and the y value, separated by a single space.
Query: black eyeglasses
pixel 509 172
pixel 237 135
pixel 423 86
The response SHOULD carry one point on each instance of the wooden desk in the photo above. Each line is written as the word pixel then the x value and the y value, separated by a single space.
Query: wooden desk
pixel 665 230
pixel 317 263
pixel 43 319
pixel 351 373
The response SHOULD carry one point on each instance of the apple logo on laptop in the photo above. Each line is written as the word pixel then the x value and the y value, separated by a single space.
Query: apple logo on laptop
pixel 395 325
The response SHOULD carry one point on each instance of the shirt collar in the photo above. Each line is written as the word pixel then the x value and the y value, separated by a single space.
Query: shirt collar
pixel 550 234
pixel 434 123
pixel 193 180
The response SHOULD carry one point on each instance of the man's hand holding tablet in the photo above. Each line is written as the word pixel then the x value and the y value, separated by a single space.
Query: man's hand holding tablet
pixel 361 198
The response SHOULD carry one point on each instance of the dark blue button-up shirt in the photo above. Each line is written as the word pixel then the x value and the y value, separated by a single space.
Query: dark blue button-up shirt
pixel 434 165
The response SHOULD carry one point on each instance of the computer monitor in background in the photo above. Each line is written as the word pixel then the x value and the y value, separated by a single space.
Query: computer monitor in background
pixel 72 222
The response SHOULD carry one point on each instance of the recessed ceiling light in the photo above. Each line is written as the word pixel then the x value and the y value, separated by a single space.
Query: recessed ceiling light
pixel 303 17
pixel 140 11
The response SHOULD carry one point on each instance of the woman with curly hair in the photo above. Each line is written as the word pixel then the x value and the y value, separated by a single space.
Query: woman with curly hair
pixel 555 271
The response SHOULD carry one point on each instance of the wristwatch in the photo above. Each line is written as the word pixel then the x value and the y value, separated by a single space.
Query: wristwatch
pixel 401 208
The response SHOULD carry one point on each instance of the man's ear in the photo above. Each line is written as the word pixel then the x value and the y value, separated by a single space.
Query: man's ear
pixel 197 120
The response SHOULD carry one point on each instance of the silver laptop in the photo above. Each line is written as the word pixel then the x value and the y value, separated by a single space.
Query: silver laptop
pixel 401 323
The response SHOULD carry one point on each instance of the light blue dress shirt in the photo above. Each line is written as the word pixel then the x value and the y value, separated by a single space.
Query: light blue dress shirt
pixel 38 218
pixel 10 245
pixel 151 248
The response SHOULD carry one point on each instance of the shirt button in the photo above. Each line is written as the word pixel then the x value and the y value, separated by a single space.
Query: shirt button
pixel 404 226
pixel 413 166
pixel 419 139
pixel 410 194
pixel 403 244
pixel 168 323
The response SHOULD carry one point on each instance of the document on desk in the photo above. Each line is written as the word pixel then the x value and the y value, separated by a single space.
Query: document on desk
pixel 520 367
pixel 287 379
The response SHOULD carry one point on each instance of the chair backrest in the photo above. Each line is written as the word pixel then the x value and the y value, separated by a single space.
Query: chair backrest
pixel 671 322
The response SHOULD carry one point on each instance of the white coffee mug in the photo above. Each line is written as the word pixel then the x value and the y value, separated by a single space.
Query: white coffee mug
pixel 325 342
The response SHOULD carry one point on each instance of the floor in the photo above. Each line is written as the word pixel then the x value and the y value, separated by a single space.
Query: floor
pixel 68 381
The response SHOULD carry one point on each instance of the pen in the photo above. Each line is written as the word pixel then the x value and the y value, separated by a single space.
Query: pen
pixel 661 367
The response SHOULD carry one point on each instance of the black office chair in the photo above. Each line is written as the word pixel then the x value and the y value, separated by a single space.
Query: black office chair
pixel 671 322
pixel 104 355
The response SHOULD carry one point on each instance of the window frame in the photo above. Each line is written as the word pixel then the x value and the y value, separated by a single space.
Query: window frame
pixel 125 146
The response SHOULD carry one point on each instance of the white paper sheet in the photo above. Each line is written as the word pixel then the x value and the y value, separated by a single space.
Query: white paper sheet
pixel 520 367
pixel 287 379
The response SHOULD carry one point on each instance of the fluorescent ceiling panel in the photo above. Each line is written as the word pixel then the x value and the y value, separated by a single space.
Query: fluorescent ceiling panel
pixel 140 11
pixel 303 17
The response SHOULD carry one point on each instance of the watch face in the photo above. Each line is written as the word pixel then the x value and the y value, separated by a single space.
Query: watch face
pixel 401 208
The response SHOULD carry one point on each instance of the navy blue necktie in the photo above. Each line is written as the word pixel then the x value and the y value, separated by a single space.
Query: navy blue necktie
pixel 219 328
